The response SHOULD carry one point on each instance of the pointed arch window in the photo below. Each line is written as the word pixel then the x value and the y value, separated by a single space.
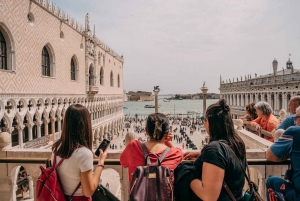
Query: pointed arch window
pixel 101 76
pixel 118 80
pixel 111 79
pixel 3 54
pixel 45 62
pixel 73 70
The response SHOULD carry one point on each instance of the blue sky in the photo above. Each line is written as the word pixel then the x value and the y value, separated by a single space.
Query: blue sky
pixel 180 44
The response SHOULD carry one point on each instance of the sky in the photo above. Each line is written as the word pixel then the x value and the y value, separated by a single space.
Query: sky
pixel 179 44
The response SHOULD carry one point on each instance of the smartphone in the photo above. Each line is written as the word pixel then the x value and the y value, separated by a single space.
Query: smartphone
pixel 103 145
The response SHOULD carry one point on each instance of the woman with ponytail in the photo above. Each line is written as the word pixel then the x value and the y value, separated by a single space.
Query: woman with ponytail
pixel 216 162
pixel 160 137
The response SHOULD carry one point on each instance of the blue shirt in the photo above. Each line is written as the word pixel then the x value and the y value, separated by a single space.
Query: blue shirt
pixel 287 122
pixel 288 144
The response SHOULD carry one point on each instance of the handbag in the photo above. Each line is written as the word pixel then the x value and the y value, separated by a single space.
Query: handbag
pixel 251 194
pixel 103 194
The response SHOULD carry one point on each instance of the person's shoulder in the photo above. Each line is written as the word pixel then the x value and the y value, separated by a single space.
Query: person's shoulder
pixel 291 117
pixel 292 130
pixel 83 151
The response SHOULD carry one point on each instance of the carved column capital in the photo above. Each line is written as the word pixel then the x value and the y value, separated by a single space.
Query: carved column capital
pixel 20 127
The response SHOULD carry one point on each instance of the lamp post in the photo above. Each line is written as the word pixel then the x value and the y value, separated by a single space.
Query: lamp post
pixel 204 90
pixel 156 91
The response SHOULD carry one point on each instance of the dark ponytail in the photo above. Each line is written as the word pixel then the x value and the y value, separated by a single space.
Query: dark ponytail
pixel 157 126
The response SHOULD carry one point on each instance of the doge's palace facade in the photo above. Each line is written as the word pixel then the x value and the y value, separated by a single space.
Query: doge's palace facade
pixel 276 88
pixel 48 61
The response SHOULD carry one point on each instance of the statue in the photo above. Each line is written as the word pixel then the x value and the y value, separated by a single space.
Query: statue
pixel 156 88
pixel 229 81
pixel 255 75
pixel 87 22
pixel 241 78
pixel 237 79
pixel 203 84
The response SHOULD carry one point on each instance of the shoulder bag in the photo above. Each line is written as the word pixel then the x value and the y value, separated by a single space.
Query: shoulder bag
pixel 252 193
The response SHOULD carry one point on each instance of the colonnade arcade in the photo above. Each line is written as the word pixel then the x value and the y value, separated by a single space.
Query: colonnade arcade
pixel 277 100
pixel 30 118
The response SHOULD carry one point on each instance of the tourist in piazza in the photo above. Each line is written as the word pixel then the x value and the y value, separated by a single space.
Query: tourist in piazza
pixel 265 120
pixel 289 120
pixel 286 147
pixel 216 162
pixel 75 146
pixel 157 128
pixel 250 114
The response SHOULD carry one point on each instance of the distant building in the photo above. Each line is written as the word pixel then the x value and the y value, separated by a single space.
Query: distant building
pixel 199 96
pixel 140 96
pixel 276 88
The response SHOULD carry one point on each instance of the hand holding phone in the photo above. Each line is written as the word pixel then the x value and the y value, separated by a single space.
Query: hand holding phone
pixel 103 146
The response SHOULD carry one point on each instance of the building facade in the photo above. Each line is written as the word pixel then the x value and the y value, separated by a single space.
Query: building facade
pixel 276 88
pixel 48 61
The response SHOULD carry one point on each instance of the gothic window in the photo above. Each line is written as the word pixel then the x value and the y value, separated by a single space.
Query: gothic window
pixel 3 55
pixel 45 62
pixel 101 76
pixel 118 80
pixel 73 69
pixel 111 79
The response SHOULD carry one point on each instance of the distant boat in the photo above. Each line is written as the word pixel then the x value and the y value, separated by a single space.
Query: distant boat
pixel 125 107
pixel 149 106
pixel 180 99
pixel 166 100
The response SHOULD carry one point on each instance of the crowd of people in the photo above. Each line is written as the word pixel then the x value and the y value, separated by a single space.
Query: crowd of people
pixel 213 166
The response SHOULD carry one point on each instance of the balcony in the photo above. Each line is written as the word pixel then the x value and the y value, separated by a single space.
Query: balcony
pixel 93 90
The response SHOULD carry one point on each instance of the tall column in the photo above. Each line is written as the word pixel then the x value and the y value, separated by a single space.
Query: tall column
pixel 275 101
pixel 20 135
pixel 284 101
pixel 238 100
pixel 29 126
pixel 31 188
pixel 204 90
pixel 53 128
pixel 46 127
pixel 38 128
pixel 59 126
pixel 156 91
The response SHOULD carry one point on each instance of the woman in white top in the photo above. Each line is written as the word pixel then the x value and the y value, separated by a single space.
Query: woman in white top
pixel 75 146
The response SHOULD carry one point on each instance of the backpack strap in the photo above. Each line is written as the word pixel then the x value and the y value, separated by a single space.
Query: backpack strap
pixel 164 154
pixel 54 161
pixel 78 186
pixel 145 152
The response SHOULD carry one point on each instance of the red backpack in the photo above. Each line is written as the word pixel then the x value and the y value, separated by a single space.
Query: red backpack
pixel 48 186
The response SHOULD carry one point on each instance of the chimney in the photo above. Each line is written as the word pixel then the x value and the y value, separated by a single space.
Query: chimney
pixel 275 66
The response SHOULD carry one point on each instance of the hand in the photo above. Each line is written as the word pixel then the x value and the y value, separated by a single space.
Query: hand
pixel 102 156
pixel 257 127
pixel 191 155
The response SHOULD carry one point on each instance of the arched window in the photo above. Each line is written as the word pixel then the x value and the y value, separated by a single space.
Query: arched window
pixel 91 75
pixel 101 76
pixel 45 62
pixel 111 79
pixel 73 70
pixel 118 80
pixel 3 55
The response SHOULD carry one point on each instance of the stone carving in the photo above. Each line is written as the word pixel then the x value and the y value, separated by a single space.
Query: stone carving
pixel 39 142
pixel 203 84
pixel 156 88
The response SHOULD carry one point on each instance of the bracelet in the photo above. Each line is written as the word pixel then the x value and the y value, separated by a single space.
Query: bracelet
pixel 100 165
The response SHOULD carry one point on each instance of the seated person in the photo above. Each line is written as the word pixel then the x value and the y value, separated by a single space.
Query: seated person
pixel 289 120
pixel 265 120
pixel 286 146
pixel 250 114
pixel 157 128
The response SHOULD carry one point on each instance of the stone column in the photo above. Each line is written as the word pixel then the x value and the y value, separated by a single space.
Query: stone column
pixel 276 101
pixel 29 126
pixel 238 100
pixel 156 91
pixel 53 128
pixel 284 101
pixel 38 128
pixel 59 126
pixel 97 139
pixel 46 127
pixel 20 135
pixel 204 90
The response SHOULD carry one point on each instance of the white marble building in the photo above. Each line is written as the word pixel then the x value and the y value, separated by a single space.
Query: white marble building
pixel 48 61
pixel 276 88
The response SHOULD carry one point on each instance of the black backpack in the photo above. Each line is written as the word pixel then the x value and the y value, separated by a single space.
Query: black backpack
pixel 152 182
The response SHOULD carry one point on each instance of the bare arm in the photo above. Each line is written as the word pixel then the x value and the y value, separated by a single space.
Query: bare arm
pixel 271 157
pixel 90 181
pixel 210 186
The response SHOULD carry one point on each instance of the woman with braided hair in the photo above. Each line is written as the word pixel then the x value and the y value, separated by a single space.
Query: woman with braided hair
pixel 157 129
pixel 216 162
